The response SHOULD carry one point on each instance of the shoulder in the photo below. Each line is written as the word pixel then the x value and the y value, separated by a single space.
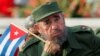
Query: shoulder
pixel 82 33
pixel 33 41
pixel 80 28
pixel 97 31
pixel 86 36
pixel 30 47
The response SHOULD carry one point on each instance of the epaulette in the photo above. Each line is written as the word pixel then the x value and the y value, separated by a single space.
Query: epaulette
pixel 97 31
pixel 81 28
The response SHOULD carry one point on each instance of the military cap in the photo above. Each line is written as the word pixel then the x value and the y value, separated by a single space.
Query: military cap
pixel 45 10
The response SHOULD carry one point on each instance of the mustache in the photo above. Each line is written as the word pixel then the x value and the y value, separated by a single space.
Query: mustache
pixel 60 40
pixel 56 30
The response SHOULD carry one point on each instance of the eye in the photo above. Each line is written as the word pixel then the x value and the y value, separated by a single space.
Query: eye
pixel 47 22
pixel 56 18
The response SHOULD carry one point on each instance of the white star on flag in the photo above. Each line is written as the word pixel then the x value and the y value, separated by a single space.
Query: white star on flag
pixel 16 33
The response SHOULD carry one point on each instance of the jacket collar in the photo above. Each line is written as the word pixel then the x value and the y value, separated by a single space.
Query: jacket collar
pixel 71 40
pixel 33 40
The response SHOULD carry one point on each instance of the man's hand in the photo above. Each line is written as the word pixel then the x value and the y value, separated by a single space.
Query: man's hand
pixel 51 47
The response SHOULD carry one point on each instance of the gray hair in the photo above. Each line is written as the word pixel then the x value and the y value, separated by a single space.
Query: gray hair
pixel 29 22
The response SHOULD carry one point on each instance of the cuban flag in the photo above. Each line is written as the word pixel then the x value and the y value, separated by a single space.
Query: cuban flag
pixel 11 39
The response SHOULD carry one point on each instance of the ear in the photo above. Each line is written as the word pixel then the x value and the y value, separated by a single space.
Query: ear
pixel 36 27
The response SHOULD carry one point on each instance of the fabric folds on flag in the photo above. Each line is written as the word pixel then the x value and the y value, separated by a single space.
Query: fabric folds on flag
pixel 10 40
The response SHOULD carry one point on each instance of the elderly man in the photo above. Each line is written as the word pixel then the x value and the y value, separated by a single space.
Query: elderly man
pixel 60 40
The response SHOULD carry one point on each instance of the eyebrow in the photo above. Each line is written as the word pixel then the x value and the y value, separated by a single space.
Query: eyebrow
pixel 46 19
pixel 56 16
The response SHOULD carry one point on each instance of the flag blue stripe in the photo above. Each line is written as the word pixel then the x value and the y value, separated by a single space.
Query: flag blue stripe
pixel 4 35
pixel 16 45
pixel 6 47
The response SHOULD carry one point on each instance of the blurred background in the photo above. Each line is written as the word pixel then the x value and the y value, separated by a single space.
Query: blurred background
pixel 76 12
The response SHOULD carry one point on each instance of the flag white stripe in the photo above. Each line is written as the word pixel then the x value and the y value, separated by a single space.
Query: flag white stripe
pixel 21 44
pixel 4 42
pixel 11 47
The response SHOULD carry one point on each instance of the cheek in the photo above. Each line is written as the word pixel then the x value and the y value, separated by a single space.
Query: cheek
pixel 47 31
pixel 61 24
pixel 44 30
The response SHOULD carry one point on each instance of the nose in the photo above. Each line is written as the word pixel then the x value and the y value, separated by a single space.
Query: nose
pixel 54 26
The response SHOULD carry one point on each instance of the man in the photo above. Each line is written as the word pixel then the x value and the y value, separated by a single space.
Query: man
pixel 59 39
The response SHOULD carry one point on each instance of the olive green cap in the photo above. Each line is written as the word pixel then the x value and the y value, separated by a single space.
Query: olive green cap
pixel 45 10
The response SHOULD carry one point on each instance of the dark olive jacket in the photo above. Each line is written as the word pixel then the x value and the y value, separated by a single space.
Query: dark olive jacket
pixel 97 31
pixel 81 41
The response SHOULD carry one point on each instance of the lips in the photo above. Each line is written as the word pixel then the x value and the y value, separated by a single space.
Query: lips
pixel 56 34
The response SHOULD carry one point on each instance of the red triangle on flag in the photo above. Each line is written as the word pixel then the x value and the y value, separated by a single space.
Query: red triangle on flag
pixel 16 32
